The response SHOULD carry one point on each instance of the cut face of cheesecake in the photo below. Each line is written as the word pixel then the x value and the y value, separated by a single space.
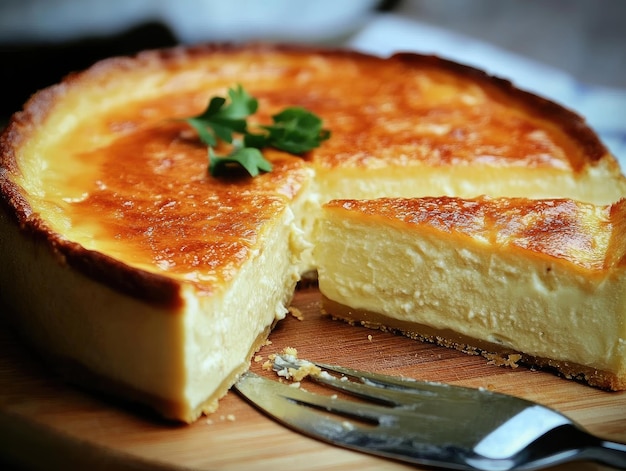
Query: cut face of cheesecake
pixel 542 281
pixel 133 269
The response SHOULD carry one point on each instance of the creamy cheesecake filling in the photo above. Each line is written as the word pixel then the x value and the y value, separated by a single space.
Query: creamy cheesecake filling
pixel 538 305
pixel 220 328
pixel 469 181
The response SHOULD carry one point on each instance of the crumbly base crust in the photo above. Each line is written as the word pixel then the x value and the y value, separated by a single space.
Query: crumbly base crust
pixel 496 354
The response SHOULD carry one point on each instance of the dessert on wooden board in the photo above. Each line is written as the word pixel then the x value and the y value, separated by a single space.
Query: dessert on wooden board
pixel 136 270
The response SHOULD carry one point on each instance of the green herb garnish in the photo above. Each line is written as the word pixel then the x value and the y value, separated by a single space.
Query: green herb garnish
pixel 294 130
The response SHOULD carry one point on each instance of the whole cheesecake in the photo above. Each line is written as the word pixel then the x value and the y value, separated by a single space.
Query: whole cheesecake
pixel 541 282
pixel 135 271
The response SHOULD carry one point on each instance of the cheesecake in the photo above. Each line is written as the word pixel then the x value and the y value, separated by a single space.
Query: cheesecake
pixel 135 271
pixel 539 282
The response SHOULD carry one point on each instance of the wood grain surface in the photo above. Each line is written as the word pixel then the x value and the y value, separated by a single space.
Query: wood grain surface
pixel 47 424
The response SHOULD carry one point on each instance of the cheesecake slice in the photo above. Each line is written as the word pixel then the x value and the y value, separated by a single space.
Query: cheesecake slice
pixel 133 270
pixel 162 302
pixel 542 282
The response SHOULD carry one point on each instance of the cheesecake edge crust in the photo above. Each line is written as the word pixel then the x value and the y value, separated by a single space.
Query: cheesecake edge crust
pixel 574 125
pixel 150 287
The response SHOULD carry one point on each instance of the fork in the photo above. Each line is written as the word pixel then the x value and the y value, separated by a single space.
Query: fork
pixel 427 423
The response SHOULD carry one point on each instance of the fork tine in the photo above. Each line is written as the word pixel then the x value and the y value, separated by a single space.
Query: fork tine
pixel 363 411
pixel 384 381
pixel 390 389
pixel 366 390
pixel 289 401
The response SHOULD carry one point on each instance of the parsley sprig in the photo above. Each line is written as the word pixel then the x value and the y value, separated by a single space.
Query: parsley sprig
pixel 294 130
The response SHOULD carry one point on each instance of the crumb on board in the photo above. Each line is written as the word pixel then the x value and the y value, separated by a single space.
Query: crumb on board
pixel 222 418
pixel 258 358
pixel 369 337
pixel 282 362
pixel 510 360
pixel 290 351
pixel 297 313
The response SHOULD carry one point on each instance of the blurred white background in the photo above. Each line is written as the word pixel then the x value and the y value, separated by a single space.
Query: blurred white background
pixel 586 38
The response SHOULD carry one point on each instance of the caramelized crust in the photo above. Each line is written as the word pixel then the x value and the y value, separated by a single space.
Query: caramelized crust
pixel 171 214
pixel 447 116
pixel 581 144
pixel 583 234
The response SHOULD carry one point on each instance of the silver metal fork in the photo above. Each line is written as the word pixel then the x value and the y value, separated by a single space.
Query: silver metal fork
pixel 428 423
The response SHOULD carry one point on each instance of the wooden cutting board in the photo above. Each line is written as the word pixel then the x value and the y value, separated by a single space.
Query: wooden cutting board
pixel 47 424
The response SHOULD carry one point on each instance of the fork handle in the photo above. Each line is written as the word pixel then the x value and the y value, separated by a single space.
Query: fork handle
pixel 608 453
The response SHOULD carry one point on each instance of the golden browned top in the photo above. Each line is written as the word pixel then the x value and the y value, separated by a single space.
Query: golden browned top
pixel 153 204
pixel 405 110
pixel 102 159
pixel 420 110
pixel 586 235
pixel 170 213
